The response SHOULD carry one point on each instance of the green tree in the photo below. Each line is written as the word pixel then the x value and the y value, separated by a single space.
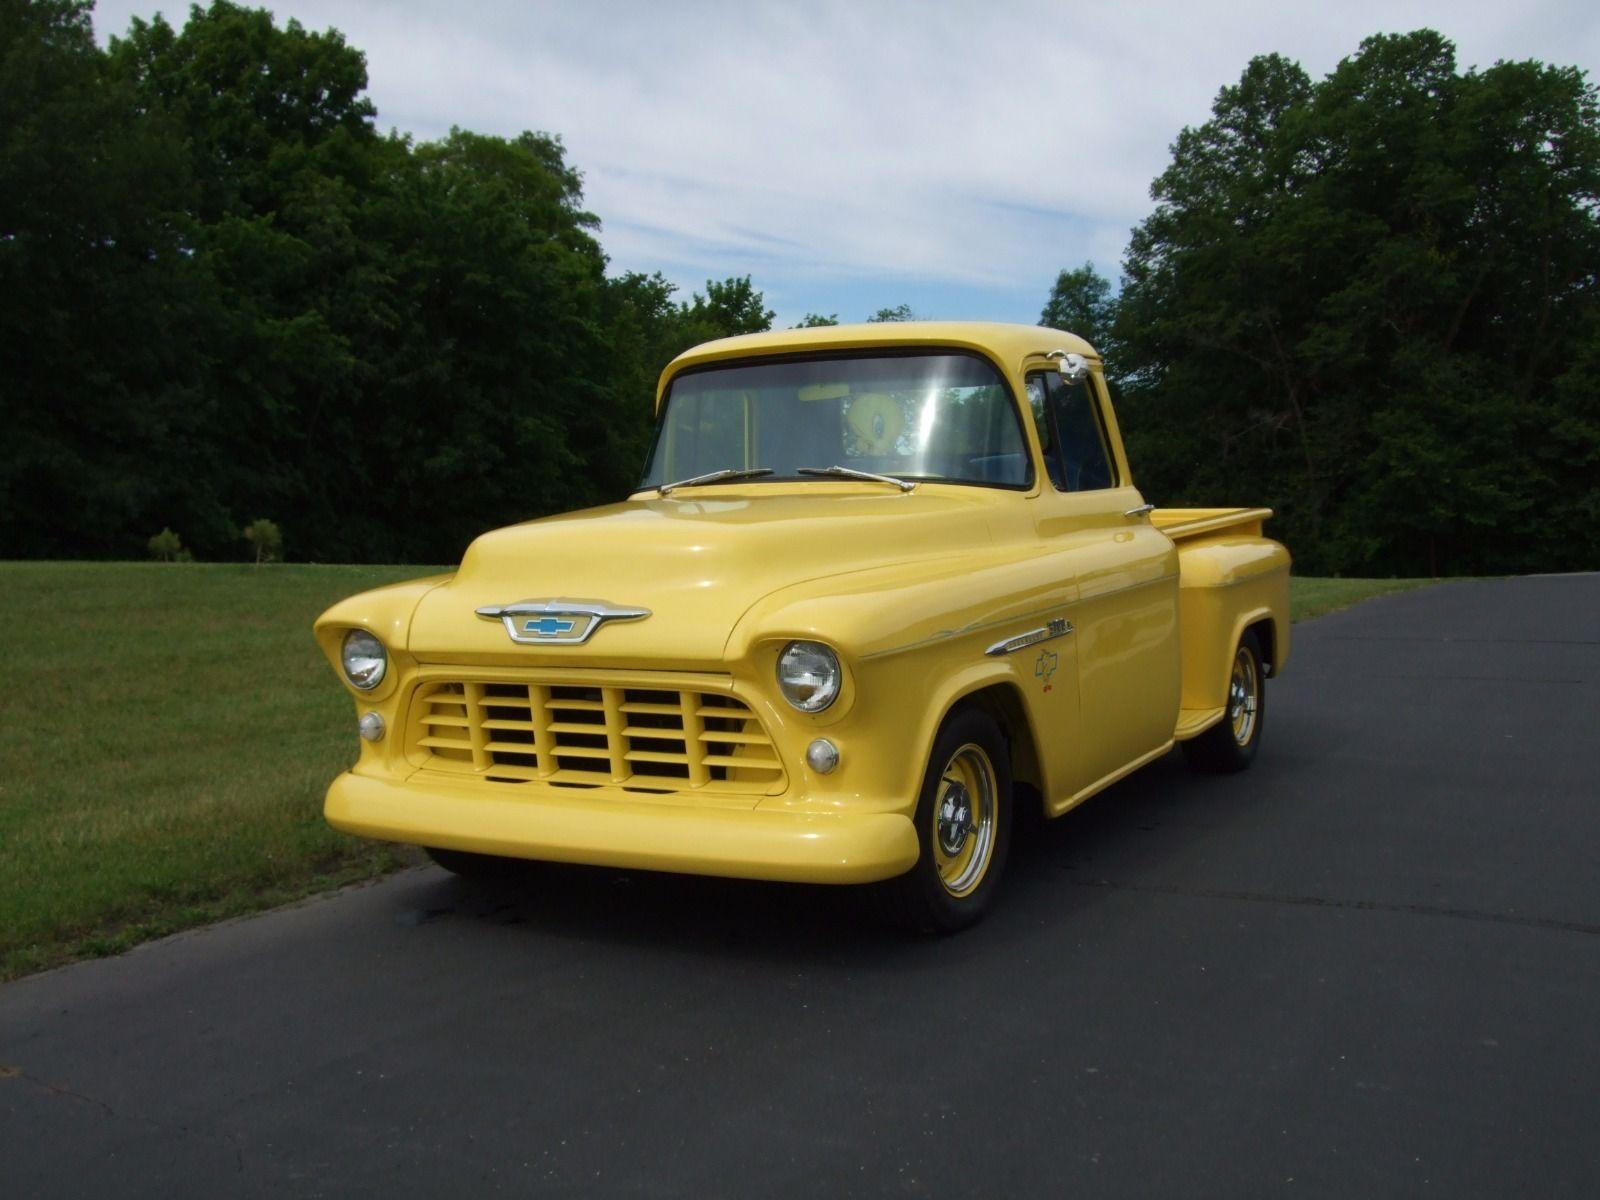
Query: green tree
pixel 406 344
pixel 900 312
pixel 288 174
pixel 259 105
pixel 645 333
pixel 493 383
pixel 648 330
pixel 1362 299
pixel 1081 303
pixel 727 309
pixel 266 539
pixel 817 321
pixel 98 301
pixel 166 546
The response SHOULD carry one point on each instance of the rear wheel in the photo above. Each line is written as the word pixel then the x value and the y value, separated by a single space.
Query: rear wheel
pixel 1230 744
pixel 963 823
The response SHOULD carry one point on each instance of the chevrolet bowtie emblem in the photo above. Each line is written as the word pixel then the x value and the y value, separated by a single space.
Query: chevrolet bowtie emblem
pixel 548 627
pixel 1045 667
pixel 557 622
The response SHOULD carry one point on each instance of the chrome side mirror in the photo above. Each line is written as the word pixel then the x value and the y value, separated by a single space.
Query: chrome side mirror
pixel 1073 367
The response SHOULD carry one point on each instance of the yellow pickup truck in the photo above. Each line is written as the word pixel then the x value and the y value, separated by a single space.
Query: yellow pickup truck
pixel 879 587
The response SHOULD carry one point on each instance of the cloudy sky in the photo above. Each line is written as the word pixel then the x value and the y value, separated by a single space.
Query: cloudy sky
pixel 852 156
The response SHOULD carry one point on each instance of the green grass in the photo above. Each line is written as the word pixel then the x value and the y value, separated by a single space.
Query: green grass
pixel 166 734
pixel 1314 597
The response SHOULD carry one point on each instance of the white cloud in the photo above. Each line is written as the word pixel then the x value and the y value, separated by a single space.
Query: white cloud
pixel 962 145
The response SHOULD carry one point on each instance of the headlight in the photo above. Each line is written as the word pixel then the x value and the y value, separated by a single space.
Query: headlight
pixel 808 675
pixel 364 658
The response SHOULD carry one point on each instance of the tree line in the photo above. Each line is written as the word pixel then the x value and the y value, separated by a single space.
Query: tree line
pixel 1367 300
pixel 1370 301
pixel 225 296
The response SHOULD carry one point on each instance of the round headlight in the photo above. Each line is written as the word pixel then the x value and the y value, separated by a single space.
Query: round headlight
pixel 808 675
pixel 364 658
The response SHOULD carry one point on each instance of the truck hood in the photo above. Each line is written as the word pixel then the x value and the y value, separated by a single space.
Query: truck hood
pixel 697 564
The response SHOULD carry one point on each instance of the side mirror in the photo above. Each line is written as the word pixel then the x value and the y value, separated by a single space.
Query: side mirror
pixel 1073 367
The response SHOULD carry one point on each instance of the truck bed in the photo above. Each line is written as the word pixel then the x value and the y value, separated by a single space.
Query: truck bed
pixel 1181 523
pixel 1231 578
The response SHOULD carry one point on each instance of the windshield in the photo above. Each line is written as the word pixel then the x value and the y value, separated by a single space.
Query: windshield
pixel 947 417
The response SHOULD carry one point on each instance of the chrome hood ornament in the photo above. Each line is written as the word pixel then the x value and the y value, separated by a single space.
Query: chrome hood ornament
pixel 557 622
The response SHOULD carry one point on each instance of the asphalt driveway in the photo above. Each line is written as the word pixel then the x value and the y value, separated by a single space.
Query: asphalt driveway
pixel 1370 966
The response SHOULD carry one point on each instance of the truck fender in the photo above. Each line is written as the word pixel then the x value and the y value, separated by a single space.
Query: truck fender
pixel 1004 694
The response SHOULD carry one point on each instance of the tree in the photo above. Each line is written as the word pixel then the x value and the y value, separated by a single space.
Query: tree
pixel 817 321
pixel 1081 303
pixel 259 105
pixel 99 300
pixel 729 308
pixel 266 539
pixel 900 312
pixel 167 546
pixel 1361 299
pixel 287 175
pixel 644 330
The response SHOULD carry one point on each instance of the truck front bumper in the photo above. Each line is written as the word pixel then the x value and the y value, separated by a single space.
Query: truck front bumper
pixel 602 828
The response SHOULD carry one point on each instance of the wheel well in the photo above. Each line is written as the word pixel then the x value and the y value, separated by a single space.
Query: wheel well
pixel 1003 702
pixel 1266 634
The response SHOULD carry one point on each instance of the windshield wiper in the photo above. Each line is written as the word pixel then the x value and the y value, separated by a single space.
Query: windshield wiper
pixel 713 477
pixel 905 485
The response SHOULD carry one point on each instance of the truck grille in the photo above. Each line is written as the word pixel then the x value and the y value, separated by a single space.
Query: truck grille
pixel 641 739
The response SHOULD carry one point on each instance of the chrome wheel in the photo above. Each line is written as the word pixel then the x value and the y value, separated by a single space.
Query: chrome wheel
pixel 1244 696
pixel 1231 744
pixel 964 820
pixel 963 824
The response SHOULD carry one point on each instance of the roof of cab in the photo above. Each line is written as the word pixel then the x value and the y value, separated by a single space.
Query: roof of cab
pixel 1010 344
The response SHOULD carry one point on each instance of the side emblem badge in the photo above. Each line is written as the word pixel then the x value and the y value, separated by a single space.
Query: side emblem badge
pixel 557 622
pixel 1045 667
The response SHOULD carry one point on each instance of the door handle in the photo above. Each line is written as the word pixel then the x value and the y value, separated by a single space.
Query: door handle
pixel 1140 511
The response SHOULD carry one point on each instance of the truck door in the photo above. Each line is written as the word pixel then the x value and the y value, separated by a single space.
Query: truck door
pixel 1125 618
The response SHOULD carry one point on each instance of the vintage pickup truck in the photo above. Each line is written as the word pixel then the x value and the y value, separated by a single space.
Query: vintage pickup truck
pixel 880 587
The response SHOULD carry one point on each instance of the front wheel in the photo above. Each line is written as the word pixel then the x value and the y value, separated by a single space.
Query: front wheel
pixel 1230 745
pixel 963 823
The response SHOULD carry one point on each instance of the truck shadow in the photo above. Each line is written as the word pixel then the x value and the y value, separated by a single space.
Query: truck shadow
pixel 1124 836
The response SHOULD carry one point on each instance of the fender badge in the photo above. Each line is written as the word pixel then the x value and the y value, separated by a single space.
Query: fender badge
pixel 557 622
pixel 1045 667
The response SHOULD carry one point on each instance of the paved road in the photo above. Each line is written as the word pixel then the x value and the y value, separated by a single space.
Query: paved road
pixel 1368 967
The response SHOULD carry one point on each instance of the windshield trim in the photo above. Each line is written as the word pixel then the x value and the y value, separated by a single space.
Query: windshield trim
pixel 903 350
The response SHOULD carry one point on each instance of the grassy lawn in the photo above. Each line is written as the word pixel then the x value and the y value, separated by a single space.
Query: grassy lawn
pixel 168 734
pixel 1313 597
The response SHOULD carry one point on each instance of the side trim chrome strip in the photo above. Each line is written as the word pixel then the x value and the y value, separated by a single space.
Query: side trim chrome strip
pixel 1059 627
pixel 945 635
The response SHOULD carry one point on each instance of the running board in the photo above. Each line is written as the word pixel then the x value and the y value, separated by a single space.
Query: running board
pixel 1192 722
pixel 1055 810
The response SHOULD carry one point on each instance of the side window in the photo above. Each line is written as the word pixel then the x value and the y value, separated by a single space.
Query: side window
pixel 1038 404
pixel 1080 440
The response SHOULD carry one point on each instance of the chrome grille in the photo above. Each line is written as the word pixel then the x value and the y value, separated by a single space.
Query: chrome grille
pixel 642 739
